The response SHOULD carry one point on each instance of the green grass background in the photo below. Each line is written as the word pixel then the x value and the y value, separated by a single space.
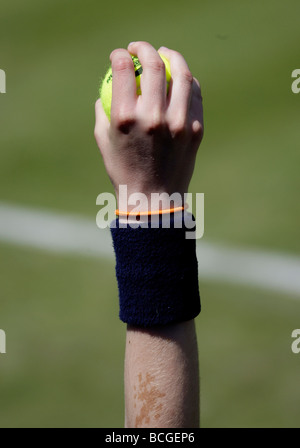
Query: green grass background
pixel 64 364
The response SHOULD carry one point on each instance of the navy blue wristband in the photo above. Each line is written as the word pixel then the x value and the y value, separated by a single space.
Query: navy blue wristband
pixel 157 273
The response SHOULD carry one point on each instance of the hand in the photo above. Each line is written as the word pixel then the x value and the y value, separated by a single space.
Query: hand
pixel 151 143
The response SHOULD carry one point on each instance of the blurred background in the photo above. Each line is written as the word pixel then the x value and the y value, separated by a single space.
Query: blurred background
pixel 59 307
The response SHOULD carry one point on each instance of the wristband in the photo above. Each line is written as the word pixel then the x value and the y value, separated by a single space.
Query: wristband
pixel 157 273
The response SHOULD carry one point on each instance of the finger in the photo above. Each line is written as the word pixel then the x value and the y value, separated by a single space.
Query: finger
pixel 180 89
pixel 101 126
pixel 123 86
pixel 153 79
pixel 100 115
pixel 196 111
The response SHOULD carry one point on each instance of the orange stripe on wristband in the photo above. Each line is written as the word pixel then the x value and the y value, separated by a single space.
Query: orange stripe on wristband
pixel 150 213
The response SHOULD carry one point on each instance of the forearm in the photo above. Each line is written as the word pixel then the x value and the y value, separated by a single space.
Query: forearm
pixel 162 377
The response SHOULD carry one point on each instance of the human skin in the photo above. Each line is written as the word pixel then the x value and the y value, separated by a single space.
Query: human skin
pixel 150 145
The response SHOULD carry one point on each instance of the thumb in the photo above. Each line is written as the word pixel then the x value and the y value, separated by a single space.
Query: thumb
pixel 101 126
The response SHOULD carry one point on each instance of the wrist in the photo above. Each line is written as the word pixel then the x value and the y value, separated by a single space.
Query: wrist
pixel 135 201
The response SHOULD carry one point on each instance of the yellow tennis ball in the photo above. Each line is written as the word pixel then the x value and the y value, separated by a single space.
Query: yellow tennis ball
pixel 106 84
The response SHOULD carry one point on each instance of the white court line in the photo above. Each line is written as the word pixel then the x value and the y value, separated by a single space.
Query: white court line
pixel 68 234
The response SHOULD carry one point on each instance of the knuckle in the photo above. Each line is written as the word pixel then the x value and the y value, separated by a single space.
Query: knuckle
pixel 187 77
pixel 179 127
pixel 157 65
pixel 155 122
pixel 123 120
pixel 122 64
pixel 198 129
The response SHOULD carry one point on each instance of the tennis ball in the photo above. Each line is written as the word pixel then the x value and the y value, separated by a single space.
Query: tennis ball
pixel 106 84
